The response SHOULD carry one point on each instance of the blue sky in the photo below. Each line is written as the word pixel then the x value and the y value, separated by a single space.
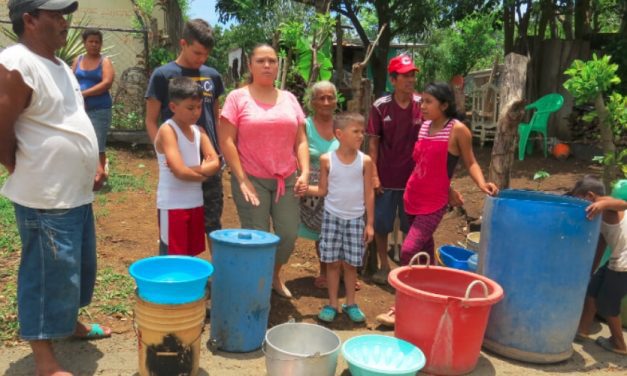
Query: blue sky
pixel 204 9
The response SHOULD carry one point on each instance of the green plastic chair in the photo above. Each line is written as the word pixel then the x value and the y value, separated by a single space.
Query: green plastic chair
pixel 544 107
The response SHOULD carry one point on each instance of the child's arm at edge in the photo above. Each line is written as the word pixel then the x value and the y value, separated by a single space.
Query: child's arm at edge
pixel 166 143
pixel 323 183
pixel 210 163
pixel 605 203
pixel 369 199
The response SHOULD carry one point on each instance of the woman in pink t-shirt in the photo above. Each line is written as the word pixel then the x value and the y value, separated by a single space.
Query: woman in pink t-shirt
pixel 263 139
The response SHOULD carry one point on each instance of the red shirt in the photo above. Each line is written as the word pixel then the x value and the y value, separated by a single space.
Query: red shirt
pixel 397 129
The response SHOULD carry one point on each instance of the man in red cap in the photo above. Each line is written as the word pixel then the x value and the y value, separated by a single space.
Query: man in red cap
pixel 393 128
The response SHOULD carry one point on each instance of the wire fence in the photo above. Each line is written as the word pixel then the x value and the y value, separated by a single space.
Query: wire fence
pixel 127 50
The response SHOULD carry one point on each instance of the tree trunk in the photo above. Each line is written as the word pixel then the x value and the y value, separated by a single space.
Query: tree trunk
pixel 607 141
pixel 583 12
pixel 379 63
pixel 567 22
pixel 286 67
pixel 511 113
pixel 174 23
pixel 509 26
pixel 354 105
pixel 339 52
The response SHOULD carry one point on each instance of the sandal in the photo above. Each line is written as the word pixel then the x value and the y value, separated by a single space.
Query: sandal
pixel 320 282
pixel 387 319
pixel 607 344
pixel 381 276
pixel 327 314
pixel 96 332
pixel 282 291
pixel 581 337
pixel 354 313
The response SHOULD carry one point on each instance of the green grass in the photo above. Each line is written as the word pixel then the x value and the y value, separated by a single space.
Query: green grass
pixel 113 292
pixel 9 237
pixel 8 305
pixel 121 180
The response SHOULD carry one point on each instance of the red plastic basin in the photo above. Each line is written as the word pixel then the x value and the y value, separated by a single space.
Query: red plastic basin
pixel 433 313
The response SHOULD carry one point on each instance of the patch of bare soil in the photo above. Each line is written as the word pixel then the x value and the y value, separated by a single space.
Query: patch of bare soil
pixel 127 231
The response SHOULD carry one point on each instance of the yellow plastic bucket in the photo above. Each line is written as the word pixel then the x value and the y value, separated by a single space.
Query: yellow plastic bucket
pixel 168 337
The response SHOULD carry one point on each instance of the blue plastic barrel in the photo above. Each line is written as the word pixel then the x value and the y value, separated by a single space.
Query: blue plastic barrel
pixel 241 287
pixel 539 247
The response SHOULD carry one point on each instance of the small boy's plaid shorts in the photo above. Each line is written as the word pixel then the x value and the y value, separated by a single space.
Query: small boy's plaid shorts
pixel 342 240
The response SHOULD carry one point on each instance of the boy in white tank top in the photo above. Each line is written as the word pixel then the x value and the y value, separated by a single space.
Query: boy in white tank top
pixel 346 181
pixel 186 158
pixel 608 285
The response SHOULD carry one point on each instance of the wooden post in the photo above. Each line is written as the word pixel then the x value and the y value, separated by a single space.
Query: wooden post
pixel 511 113
pixel 358 83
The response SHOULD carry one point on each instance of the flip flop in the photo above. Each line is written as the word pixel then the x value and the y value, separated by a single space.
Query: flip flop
pixel 96 332
pixel 327 314
pixel 582 337
pixel 354 313
pixel 387 319
pixel 607 344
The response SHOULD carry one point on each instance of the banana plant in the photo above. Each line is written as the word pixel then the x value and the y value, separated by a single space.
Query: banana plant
pixel 311 47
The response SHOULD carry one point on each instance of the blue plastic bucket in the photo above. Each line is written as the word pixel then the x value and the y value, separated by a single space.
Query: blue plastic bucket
pixel 472 262
pixel 171 279
pixel 241 287
pixel 374 354
pixel 455 257
pixel 539 247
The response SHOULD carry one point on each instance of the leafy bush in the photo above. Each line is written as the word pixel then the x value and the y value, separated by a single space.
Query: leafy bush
pixel 591 81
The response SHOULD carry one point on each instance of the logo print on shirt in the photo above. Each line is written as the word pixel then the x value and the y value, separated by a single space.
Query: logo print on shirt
pixel 387 118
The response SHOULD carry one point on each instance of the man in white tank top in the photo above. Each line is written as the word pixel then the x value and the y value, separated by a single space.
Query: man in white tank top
pixel 49 147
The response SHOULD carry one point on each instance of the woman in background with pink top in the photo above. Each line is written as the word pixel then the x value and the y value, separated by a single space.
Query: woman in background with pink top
pixel 442 140
pixel 262 136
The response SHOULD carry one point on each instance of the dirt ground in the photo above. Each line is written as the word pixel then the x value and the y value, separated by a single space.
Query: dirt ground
pixel 127 231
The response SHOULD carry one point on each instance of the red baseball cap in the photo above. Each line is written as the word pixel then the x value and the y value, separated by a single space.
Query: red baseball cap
pixel 401 64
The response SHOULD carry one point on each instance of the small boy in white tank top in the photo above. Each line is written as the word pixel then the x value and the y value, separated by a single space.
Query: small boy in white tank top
pixel 186 159
pixel 346 181
pixel 608 284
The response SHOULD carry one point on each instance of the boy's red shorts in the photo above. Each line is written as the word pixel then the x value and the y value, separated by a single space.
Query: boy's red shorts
pixel 183 230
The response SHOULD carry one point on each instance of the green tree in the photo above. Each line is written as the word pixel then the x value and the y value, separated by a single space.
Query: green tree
pixel 469 44
pixel 591 81
pixel 404 18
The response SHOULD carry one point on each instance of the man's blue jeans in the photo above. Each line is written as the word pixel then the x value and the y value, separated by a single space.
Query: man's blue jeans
pixel 57 270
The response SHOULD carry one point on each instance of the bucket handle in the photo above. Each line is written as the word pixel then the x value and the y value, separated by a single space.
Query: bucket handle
pixel 473 284
pixel 416 259
pixel 264 344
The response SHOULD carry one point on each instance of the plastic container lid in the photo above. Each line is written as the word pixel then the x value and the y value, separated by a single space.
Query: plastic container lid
pixel 244 237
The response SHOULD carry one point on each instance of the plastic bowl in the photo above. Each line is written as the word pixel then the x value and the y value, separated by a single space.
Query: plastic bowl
pixel 472 240
pixel 171 279
pixel 455 257
pixel 472 262
pixel 373 354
